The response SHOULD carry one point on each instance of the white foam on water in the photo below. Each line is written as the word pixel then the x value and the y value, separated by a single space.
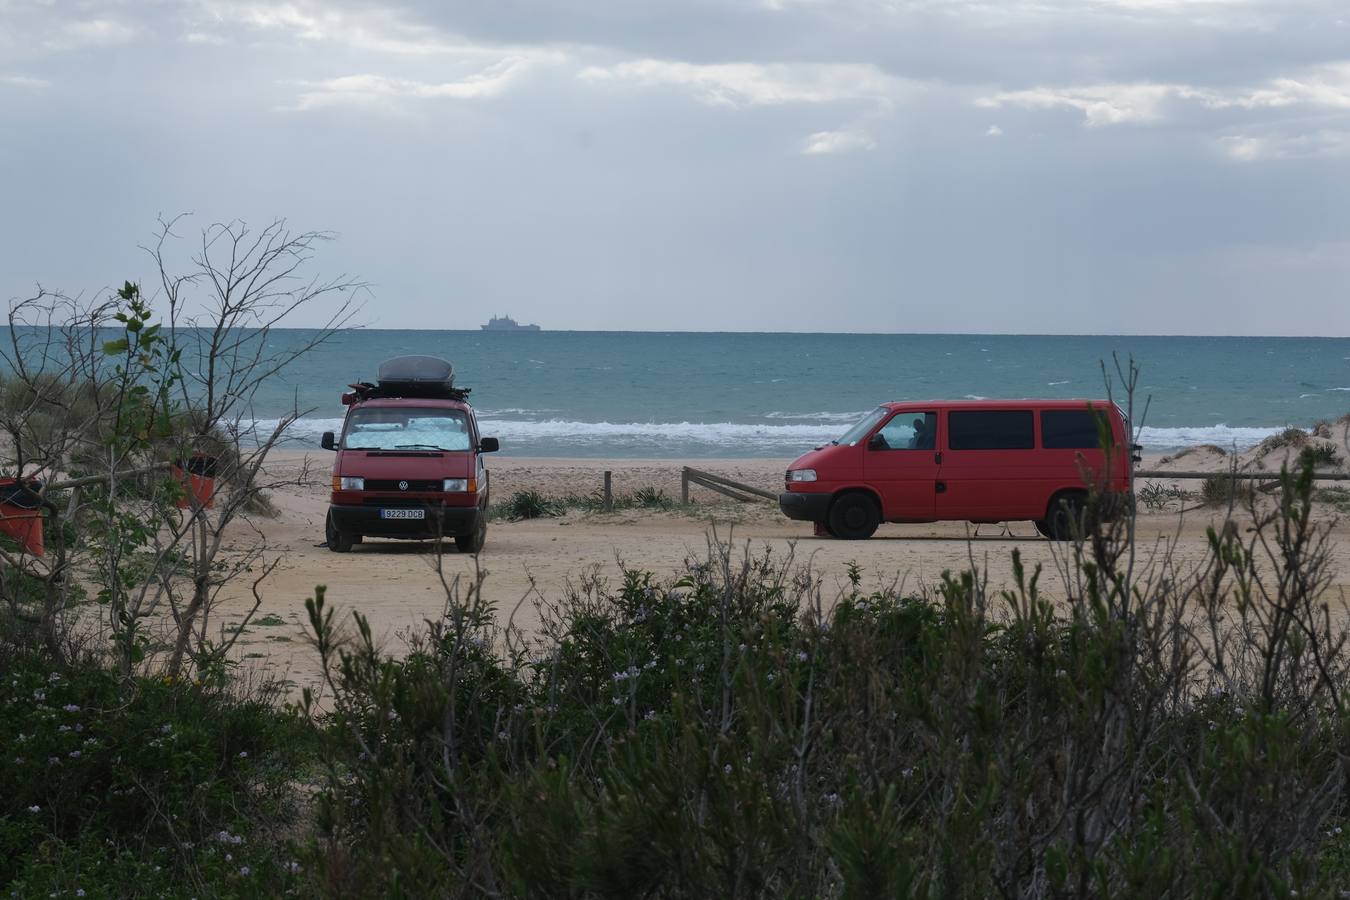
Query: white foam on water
pixel 1221 435
pixel 847 417
pixel 1053 383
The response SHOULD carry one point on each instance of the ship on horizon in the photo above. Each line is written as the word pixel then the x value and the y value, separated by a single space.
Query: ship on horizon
pixel 506 323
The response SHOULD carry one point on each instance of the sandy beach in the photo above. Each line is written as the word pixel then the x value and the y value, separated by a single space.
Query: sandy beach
pixel 396 583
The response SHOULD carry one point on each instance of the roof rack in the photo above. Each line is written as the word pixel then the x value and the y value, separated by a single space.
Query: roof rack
pixel 409 377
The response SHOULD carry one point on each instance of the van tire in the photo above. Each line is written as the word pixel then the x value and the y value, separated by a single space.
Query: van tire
pixel 472 543
pixel 1063 517
pixel 338 541
pixel 853 517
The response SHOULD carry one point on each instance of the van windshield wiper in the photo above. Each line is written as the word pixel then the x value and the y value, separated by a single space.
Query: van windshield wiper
pixel 417 447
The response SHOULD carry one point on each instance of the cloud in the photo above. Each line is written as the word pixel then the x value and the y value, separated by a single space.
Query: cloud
pixel 24 81
pixel 994 131
pixel 365 90
pixel 91 33
pixel 742 84
pixel 1108 104
pixel 1325 87
pixel 1316 145
pixel 374 29
pixel 823 142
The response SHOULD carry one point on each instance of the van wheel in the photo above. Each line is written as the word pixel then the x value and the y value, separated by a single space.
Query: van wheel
pixel 472 543
pixel 1063 518
pixel 853 517
pixel 338 541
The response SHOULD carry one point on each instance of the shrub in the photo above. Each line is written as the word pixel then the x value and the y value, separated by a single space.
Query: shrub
pixel 1290 437
pixel 1320 455
pixel 110 783
pixel 531 505
pixel 733 732
pixel 1225 490
pixel 1155 496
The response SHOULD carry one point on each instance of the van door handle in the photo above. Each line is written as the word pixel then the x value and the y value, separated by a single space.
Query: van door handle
pixel 941 487
pixel 937 457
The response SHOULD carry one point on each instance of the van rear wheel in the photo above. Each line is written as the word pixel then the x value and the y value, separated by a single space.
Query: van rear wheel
pixel 853 517
pixel 1063 519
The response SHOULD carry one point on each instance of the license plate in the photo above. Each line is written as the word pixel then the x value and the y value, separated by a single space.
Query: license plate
pixel 403 514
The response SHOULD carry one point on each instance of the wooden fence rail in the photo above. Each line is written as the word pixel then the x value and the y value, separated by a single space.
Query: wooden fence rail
pixel 1239 476
pixel 736 490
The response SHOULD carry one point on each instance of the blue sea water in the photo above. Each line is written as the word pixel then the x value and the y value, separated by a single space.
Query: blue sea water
pixel 691 395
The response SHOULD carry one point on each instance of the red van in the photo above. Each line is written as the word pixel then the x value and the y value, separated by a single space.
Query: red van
pixel 975 460
pixel 409 461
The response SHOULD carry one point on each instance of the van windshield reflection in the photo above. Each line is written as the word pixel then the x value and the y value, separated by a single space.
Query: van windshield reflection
pixel 858 432
pixel 406 429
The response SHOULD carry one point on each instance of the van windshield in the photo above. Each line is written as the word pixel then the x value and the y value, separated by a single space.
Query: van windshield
pixel 859 431
pixel 411 428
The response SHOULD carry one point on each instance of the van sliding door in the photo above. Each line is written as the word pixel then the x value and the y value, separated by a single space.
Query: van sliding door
pixel 988 467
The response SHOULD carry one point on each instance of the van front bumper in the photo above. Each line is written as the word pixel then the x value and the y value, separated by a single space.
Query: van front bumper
pixel 804 507
pixel 445 521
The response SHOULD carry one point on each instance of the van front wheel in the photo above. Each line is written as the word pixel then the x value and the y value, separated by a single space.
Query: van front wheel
pixel 854 517
pixel 339 541
pixel 472 543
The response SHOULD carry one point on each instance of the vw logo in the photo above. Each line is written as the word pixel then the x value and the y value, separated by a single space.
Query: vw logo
pixel 403 485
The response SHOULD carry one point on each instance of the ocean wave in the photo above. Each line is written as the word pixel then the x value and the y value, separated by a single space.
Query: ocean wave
pixel 653 438
pixel 1224 436
pixel 844 417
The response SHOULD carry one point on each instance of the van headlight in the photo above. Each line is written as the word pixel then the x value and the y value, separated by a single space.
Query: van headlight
pixel 802 475
pixel 348 483
pixel 455 485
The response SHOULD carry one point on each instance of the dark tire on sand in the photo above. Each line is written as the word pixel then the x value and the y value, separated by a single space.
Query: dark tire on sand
pixel 853 517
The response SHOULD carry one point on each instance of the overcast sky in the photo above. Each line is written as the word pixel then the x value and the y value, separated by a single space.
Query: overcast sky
pixel 1087 166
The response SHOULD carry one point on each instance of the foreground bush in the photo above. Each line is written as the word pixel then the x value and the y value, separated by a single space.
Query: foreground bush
pixel 113 787
pixel 1169 730
pixel 739 730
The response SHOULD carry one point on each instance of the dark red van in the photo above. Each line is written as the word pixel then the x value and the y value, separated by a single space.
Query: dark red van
pixel 409 461
pixel 974 460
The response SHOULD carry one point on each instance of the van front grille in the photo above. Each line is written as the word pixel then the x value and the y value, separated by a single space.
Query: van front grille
pixel 418 484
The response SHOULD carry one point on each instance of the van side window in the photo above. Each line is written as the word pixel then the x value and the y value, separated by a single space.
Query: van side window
pixel 1070 429
pixel 907 431
pixel 991 429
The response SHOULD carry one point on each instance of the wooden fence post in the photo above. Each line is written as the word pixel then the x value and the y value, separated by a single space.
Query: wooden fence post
pixel 609 493
pixel 684 486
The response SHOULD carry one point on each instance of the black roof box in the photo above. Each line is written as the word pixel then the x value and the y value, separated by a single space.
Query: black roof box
pixel 417 376
pixel 425 370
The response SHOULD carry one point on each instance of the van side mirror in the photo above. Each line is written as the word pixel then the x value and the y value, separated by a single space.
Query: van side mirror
pixel 488 445
pixel 877 442
pixel 327 442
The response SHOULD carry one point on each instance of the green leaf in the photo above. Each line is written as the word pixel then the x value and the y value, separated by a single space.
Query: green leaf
pixel 115 348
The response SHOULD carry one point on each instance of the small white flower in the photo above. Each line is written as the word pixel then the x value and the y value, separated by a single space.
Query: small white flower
pixel 229 857
pixel 651 714
pixel 71 707
pixel 243 870
pixel 727 768
pixel 35 809
pixel 742 648
pixel 74 754
pixel 63 728
pixel 801 656
pixel 907 773
pixel 293 867
pixel 79 892
pixel 243 754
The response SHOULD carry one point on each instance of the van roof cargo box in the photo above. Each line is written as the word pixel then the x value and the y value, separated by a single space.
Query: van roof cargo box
pixel 423 377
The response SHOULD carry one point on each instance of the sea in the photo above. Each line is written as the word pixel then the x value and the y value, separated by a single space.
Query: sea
pixel 683 395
